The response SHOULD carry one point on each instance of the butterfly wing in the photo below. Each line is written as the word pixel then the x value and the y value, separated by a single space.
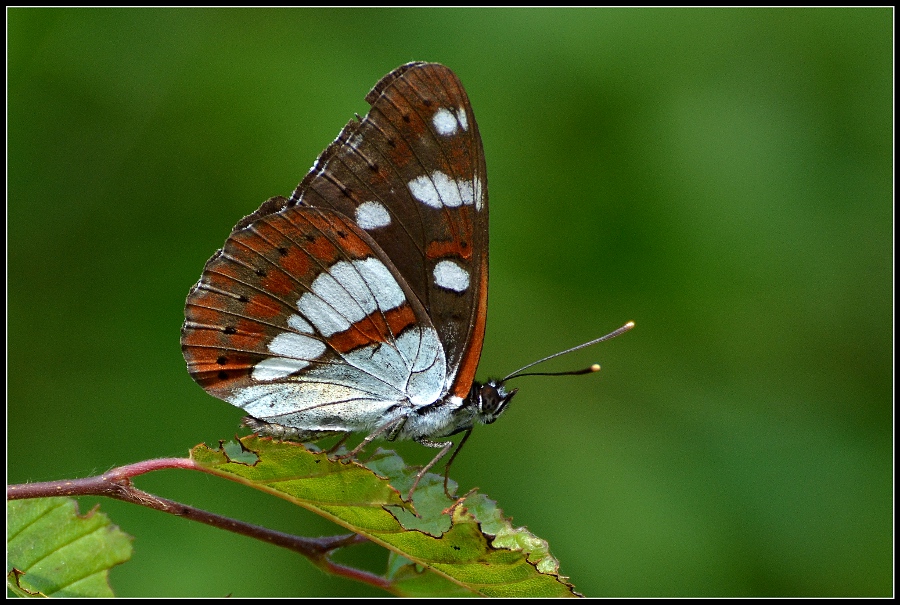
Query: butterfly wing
pixel 363 295
pixel 412 175
pixel 302 321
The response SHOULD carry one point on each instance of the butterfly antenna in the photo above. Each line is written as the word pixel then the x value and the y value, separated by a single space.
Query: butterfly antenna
pixel 593 368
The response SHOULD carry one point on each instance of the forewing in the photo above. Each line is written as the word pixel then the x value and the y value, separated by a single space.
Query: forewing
pixel 411 173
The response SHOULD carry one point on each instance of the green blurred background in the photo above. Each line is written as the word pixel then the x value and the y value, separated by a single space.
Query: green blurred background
pixel 721 177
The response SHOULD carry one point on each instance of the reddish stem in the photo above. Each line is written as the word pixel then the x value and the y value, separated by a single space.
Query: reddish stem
pixel 116 483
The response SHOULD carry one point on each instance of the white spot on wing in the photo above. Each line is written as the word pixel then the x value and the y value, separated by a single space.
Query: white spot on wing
pixel 445 122
pixel 295 353
pixel 466 192
pixel 448 274
pixel 273 368
pixel 296 346
pixel 372 215
pixel 299 324
pixel 388 293
pixel 424 190
pixel 463 120
pixel 327 320
pixel 347 293
pixel 439 190
pixel 478 193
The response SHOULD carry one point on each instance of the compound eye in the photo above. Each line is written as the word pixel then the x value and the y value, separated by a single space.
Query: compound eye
pixel 492 400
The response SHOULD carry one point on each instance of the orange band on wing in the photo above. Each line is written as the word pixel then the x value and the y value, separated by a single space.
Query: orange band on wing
pixel 451 248
pixel 377 327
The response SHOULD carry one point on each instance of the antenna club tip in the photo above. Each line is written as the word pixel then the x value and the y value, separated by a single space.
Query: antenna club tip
pixel 595 367
pixel 629 325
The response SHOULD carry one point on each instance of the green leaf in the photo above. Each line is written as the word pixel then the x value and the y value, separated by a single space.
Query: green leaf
pixel 468 548
pixel 412 580
pixel 53 551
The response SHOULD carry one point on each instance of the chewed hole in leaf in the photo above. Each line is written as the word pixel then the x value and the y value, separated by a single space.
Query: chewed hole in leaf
pixel 237 453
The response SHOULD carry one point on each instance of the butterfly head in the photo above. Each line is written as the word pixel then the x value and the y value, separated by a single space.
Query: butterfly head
pixel 491 400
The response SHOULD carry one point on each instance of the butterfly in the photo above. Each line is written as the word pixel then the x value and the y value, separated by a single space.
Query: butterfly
pixel 358 304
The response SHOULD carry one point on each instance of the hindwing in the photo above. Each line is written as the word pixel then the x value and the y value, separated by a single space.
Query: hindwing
pixel 302 321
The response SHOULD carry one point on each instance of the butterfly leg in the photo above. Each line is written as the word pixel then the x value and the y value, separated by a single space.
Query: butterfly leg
pixel 452 458
pixel 337 445
pixel 445 447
